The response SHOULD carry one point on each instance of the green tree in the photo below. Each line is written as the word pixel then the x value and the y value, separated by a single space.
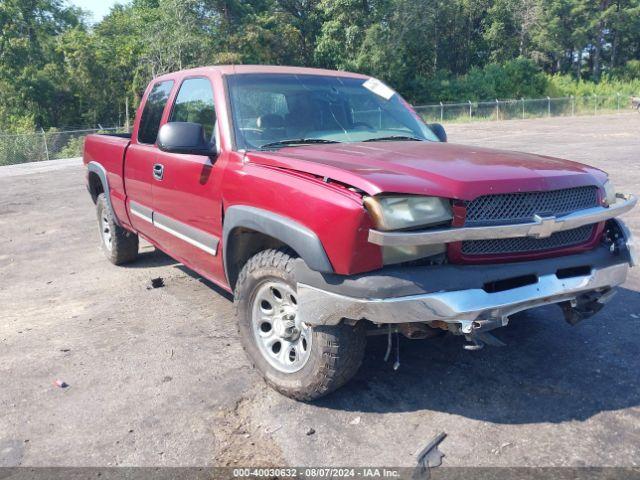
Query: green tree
pixel 29 63
pixel 57 70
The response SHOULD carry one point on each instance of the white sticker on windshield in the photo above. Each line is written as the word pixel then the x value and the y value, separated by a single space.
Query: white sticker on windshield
pixel 379 88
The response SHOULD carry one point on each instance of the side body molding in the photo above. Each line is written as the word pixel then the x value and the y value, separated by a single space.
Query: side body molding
pixel 303 240
pixel 193 236
pixel 99 170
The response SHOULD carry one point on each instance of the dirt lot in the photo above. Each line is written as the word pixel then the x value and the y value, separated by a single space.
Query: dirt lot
pixel 157 377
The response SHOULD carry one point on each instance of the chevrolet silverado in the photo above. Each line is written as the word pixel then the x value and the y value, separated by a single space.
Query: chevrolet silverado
pixel 331 211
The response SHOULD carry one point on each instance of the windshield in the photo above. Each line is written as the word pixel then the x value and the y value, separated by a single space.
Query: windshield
pixel 276 110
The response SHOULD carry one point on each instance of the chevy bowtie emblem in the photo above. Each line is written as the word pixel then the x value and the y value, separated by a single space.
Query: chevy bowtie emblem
pixel 544 227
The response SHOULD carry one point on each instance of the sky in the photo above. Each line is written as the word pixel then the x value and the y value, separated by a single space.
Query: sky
pixel 98 8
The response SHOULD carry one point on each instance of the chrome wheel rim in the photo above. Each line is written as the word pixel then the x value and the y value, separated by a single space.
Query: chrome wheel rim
pixel 105 231
pixel 282 338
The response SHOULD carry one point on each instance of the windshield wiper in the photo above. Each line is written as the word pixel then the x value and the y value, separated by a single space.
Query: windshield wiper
pixel 297 141
pixel 394 137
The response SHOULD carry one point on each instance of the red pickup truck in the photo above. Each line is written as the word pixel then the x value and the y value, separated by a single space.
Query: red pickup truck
pixel 332 211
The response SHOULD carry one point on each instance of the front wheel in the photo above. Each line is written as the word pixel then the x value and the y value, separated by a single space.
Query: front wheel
pixel 298 360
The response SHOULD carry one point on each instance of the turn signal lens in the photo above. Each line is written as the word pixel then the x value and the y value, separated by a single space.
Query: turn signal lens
pixel 609 193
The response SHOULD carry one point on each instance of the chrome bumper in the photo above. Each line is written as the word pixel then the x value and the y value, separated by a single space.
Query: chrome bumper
pixel 541 227
pixel 319 307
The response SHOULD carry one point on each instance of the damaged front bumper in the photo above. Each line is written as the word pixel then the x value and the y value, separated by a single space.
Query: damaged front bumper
pixel 464 296
pixel 461 306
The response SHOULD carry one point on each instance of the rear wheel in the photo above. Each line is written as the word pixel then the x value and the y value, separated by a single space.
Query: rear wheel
pixel 299 360
pixel 119 245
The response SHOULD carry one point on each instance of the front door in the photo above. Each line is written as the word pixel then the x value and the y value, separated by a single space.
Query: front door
pixel 186 192
pixel 141 157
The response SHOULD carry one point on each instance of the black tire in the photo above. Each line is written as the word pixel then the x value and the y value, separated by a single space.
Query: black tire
pixel 123 247
pixel 336 352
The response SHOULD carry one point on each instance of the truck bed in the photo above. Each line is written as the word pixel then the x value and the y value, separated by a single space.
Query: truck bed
pixel 108 151
pixel 119 135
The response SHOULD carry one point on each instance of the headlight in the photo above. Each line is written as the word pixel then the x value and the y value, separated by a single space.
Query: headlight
pixel 402 212
pixel 397 213
pixel 609 193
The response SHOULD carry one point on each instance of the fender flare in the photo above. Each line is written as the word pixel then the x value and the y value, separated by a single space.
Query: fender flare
pixel 95 167
pixel 303 240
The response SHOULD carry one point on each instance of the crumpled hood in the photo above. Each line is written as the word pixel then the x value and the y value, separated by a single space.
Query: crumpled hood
pixel 431 168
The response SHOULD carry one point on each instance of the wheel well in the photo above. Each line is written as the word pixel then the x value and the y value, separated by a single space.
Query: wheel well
pixel 95 186
pixel 242 244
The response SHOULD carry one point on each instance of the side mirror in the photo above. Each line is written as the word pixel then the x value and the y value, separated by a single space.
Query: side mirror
pixel 184 137
pixel 439 131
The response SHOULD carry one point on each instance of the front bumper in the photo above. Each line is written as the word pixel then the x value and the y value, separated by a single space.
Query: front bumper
pixel 462 306
pixel 459 294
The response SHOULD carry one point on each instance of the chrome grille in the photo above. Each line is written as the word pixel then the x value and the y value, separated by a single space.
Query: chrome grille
pixel 521 207
pixel 566 238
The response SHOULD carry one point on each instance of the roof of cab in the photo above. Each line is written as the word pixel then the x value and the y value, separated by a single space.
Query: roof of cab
pixel 241 69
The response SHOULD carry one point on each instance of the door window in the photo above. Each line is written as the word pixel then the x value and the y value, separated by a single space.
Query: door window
pixel 194 103
pixel 152 113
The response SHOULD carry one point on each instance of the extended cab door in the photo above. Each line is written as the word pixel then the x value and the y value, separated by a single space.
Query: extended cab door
pixel 187 196
pixel 141 158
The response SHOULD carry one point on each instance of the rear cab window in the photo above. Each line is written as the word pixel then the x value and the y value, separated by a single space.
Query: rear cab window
pixel 152 113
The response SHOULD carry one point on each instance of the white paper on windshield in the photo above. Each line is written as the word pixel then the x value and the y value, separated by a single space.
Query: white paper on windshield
pixel 379 88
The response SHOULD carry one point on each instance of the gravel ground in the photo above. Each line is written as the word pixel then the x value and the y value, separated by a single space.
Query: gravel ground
pixel 156 377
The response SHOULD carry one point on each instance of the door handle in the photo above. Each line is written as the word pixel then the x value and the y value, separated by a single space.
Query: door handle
pixel 158 171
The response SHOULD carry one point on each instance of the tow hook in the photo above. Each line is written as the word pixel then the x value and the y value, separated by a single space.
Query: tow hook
pixel 586 306
pixel 477 341
pixel 479 335
pixel 474 344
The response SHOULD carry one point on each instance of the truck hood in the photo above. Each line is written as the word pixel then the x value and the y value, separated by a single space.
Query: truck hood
pixel 431 168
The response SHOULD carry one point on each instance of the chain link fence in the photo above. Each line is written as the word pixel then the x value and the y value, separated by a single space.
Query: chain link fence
pixel 524 108
pixel 54 144
pixel 51 145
